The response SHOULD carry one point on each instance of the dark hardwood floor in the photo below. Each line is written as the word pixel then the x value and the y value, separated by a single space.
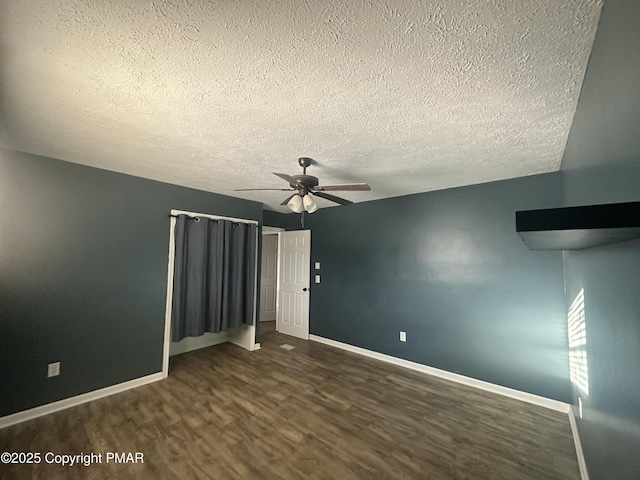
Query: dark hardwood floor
pixel 311 412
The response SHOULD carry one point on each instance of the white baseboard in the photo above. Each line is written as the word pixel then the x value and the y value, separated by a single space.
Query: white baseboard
pixel 576 440
pixel 189 344
pixel 454 377
pixel 36 412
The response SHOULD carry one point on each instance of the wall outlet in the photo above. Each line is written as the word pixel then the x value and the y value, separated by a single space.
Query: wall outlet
pixel 403 336
pixel 53 369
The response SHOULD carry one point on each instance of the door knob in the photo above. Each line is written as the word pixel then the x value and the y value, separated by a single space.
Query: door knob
pixel 305 289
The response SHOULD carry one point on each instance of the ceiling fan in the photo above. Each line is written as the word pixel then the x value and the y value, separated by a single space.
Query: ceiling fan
pixel 306 185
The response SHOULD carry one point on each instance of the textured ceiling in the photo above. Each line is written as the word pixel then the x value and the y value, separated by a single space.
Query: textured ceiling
pixel 409 96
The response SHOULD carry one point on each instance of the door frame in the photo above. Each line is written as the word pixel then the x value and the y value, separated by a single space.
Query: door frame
pixel 244 336
pixel 266 230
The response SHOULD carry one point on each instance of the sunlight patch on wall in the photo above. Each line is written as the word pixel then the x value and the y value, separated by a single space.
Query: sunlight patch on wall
pixel 578 371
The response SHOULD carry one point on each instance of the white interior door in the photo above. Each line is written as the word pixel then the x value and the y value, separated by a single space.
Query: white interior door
pixel 295 264
pixel 269 278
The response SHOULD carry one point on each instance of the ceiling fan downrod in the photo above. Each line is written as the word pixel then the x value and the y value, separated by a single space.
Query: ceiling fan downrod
pixel 304 162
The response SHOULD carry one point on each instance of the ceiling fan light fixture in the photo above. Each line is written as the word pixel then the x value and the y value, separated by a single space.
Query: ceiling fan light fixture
pixel 309 205
pixel 305 186
pixel 296 204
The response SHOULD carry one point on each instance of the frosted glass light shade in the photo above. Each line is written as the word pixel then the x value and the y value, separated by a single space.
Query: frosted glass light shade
pixel 309 205
pixel 295 204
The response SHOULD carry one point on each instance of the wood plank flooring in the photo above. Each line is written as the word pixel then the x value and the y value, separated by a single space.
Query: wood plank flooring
pixel 312 412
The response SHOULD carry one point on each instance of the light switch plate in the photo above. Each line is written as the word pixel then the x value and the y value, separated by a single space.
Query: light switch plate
pixel 317 278
pixel 53 369
pixel 317 266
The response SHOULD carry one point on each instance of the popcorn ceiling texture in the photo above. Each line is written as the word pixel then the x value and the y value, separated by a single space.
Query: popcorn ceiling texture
pixel 407 95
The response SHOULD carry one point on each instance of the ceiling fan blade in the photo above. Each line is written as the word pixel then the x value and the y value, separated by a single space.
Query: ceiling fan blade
pixel 288 198
pixel 345 187
pixel 288 178
pixel 333 198
pixel 252 189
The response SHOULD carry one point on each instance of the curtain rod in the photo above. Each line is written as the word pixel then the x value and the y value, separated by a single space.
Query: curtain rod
pixel 197 219
pixel 213 217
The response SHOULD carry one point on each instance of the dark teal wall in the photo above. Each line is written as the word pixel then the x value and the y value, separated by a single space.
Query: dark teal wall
pixel 448 268
pixel 602 165
pixel 282 220
pixel 83 275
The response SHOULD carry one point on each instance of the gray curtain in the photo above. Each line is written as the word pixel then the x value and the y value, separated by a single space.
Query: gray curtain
pixel 214 276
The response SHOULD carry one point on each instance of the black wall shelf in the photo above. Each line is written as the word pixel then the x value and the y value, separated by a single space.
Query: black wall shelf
pixel 574 228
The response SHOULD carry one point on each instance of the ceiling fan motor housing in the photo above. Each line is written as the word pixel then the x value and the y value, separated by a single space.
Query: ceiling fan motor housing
pixel 306 181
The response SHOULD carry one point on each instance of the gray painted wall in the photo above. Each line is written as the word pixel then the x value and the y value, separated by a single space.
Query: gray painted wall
pixel 448 268
pixel 610 429
pixel 83 274
pixel 602 165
